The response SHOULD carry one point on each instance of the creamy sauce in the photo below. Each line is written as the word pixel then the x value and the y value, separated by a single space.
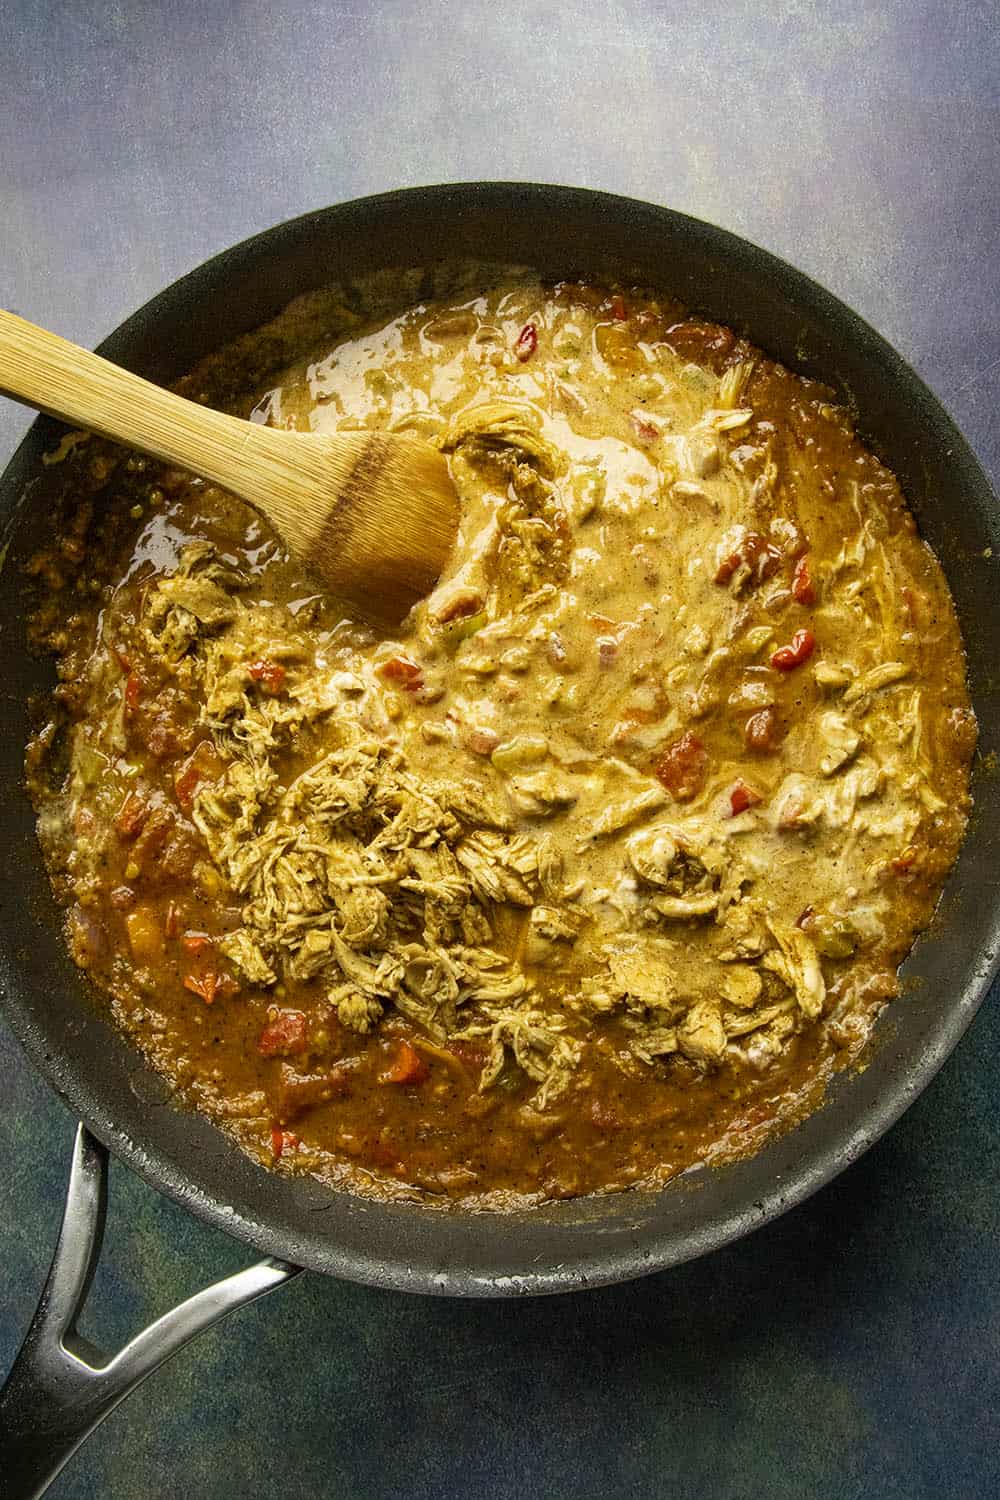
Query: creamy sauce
pixel 600 867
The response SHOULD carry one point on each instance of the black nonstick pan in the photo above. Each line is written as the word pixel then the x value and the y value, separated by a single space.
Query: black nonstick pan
pixel 60 1386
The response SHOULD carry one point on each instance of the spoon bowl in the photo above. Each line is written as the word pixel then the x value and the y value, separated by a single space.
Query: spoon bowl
pixel 372 514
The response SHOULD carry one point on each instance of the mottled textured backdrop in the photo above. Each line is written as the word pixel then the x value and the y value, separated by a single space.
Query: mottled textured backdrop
pixel 850 1349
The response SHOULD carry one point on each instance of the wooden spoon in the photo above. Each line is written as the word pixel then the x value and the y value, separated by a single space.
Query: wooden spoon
pixel 372 514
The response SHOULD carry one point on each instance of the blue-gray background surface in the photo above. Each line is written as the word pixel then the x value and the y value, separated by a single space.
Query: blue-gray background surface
pixel 852 1348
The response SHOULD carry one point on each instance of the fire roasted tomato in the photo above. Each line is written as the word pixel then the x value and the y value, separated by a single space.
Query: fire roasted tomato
pixel 683 767
pixel 527 342
pixel 787 658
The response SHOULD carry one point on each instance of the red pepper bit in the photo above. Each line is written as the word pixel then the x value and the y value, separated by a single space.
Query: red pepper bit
pixel 210 985
pixel 756 553
pixel 285 1035
pixel 185 786
pixel 683 767
pixel 131 816
pixel 527 342
pixel 787 658
pixel 196 942
pixel 402 670
pixel 618 309
pixel 761 729
pixel 201 765
pixel 204 985
pixel 460 607
pixel 133 692
pixel 407 1067
pixel 742 796
pixel 172 924
pixel 270 674
pixel 727 567
pixel 803 588
pixel 282 1141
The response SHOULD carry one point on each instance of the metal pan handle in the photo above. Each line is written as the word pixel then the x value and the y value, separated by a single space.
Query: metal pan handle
pixel 61 1386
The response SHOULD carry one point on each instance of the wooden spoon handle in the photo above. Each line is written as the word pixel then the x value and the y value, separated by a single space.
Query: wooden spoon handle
pixel 66 381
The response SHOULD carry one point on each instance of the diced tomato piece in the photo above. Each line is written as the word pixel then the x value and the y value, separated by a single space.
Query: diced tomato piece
pixel 742 796
pixel 527 342
pixel 203 764
pixel 285 1035
pixel 683 767
pixel 764 558
pixel 403 670
pixel 202 985
pixel 727 567
pixel 787 658
pixel 282 1141
pixel 210 985
pixel 461 604
pixel 618 309
pixel 186 784
pixel 761 730
pixel 754 552
pixel 123 660
pixel 270 674
pixel 407 1066
pixel 196 942
pixel 133 692
pixel 803 588
pixel 131 816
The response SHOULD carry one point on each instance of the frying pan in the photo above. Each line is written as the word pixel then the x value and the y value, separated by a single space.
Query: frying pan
pixel 60 1386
